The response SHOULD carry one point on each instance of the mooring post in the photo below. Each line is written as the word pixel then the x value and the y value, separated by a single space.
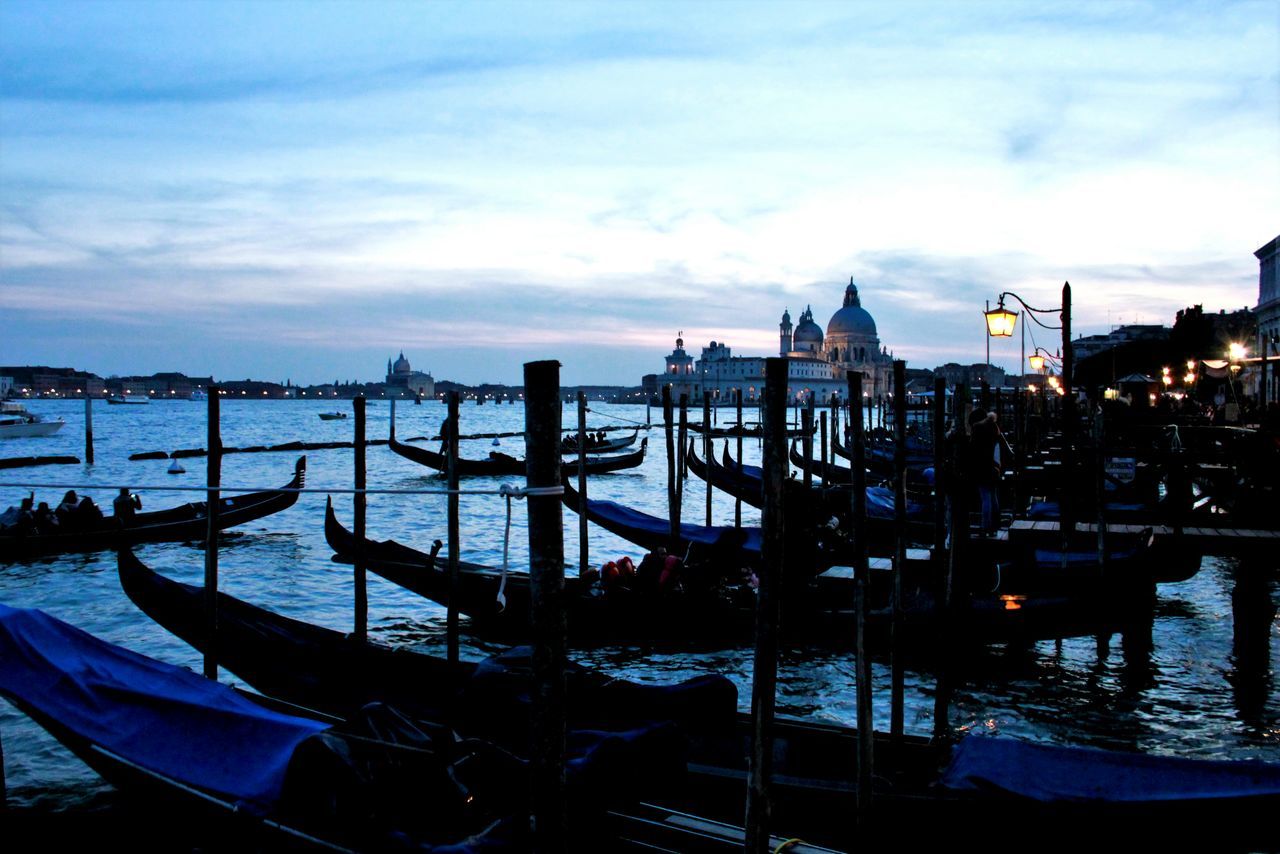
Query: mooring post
pixel 213 499
pixel 88 427
pixel 451 471
pixel 737 502
pixel 360 504
pixel 393 417
pixel 823 455
pixel 806 442
pixel 672 514
pixel 835 425
pixel 1100 487
pixel 682 464
pixel 957 491
pixel 862 683
pixel 681 471
pixel 772 560
pixel 546 583
pixel 900 539
pixel 706 449
pixel 1066 510
pixel 582 484
pixel 939 465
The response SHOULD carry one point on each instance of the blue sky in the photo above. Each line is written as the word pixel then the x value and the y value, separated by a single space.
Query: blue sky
pixel 298 190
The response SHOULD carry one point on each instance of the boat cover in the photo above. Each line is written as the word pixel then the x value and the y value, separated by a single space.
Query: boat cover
pixel 147 711
pixel 1051 509
pixel 879 498
pixel 1055 774
pixel 709 536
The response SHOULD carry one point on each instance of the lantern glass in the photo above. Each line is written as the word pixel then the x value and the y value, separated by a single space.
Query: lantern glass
pixel 1036 361
pixel 1000 322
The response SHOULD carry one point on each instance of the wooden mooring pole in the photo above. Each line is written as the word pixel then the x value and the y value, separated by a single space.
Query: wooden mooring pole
pixel 213 499
pixel 682 471
pixel 862 683
pixel 764 673
pixel 546 583
pixel 360 503
pixel 823 449
pixel 706 449
pixel 455 533
pixel 737 502
pixel 900 539
pixel 88 428
pixel 582 484
pixel 672 513
pixel 806 443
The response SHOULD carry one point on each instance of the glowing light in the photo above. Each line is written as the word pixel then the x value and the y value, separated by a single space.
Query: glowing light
pixel 1012 602
pixel 1000 321
pixel 1036 361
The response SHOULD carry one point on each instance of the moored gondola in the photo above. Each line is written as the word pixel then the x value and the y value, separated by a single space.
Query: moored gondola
pixel 569 444
pixel 177 524
pixel 275 775
pixel 501 465
pixel 1027 785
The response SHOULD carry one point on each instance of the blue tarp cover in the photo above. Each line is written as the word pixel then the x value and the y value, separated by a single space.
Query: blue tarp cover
pixel 624 515
pixel 1050 773
pixel 161 717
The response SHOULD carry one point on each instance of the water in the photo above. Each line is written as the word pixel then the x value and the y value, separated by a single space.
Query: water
pixel 1203 688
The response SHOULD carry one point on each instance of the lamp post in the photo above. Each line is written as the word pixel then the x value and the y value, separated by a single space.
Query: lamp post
pixel 1000 324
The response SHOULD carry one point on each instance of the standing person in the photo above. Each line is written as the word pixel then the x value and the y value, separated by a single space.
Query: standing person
pixel 984 466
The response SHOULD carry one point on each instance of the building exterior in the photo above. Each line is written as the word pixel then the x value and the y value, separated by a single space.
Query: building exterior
pixel 1267 315
pixel 1091 345
pixel 818 362
pixel 402 379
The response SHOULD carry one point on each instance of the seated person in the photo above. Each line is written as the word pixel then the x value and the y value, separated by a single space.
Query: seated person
pixel 125 504
pixel 66 511
pixel 45 520
pixel 88 511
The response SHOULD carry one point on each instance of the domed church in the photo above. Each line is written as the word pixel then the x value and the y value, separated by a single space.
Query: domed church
pixel 402 378
pixel 818 361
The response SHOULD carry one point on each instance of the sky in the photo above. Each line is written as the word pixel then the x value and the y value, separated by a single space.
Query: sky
pixel 301 190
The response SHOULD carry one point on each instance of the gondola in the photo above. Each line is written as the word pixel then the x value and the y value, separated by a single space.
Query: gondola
pixel 276 775
pixel 499 464
pixel 569 444
pixel 725 542
pixel 953 789
pixel 590 617
pixel 177 524
pixel 880 459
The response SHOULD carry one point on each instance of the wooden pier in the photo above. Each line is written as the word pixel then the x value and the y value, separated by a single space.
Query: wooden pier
pixel 1208 540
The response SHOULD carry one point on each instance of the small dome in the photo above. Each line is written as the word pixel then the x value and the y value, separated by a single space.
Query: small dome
pixel 401 366
pixel 808 330
pixel 852 319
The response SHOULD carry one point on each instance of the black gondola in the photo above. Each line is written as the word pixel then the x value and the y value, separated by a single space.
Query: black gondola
pixel 1026 785
pixel 500 465
pixel 276 775
pixel 569 444
pixel 177 524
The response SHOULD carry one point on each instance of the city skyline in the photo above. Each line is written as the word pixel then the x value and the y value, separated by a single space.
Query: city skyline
pixel 215 187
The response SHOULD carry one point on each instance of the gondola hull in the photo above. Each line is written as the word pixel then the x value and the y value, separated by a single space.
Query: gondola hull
pixel 177 524
pixel 503 465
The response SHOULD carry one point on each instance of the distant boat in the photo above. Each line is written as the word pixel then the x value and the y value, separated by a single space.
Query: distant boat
pixel 332 416
pixel 17 423
pixel 128 399
pixel 198 394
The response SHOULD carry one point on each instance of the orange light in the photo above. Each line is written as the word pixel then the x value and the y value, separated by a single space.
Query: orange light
pixel 1012 602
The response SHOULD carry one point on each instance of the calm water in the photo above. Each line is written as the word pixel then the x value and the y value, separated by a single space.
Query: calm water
pixel 1204 687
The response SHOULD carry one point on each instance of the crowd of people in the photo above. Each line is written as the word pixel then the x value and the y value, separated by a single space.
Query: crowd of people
pixel 74 513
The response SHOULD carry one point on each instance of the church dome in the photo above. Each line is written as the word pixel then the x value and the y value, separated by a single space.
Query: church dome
pixel 401 366
pixel 808 331
pixel 852 319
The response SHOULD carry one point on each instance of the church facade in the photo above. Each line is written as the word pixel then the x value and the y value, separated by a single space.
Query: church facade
pixel 818 361
pixel 403 379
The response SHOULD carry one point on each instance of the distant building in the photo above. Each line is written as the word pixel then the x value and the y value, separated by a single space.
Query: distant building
pixel 6 387
pixel 403 379
pixel 971 375
pixel 1091 345
pixel 1267 315
pixel 817 363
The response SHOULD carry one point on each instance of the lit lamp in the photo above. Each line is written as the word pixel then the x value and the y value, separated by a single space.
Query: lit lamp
pixel 1165 376
pixel 1036 361
pixel 1000 321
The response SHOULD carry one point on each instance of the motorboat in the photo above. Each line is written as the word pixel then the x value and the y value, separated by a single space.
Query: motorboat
pixel 128 399
pixel 332 416
pixel 17 423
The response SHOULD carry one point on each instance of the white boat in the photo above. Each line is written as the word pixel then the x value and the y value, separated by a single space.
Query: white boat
pixel 17 423
pixel 129 399
pixel 199 394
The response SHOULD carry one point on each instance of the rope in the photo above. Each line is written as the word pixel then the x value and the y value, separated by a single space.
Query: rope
pixel 519 491
pixel 788 844
pixel 510 491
